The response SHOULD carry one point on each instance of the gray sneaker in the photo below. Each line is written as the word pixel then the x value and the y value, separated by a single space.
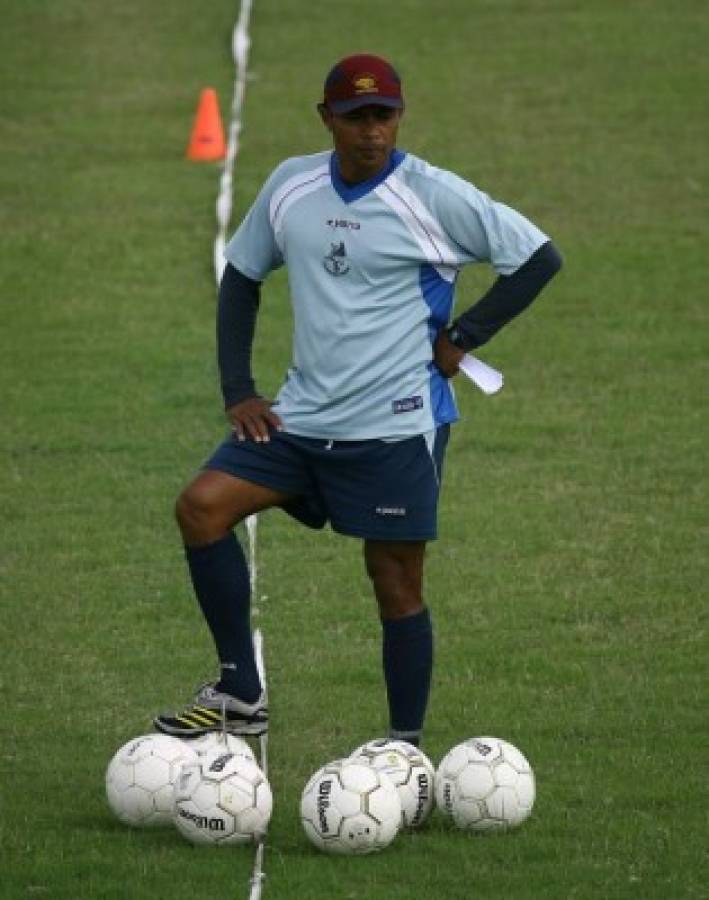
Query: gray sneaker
pixel 213 710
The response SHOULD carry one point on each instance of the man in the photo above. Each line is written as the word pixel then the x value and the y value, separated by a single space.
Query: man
pixel 373 239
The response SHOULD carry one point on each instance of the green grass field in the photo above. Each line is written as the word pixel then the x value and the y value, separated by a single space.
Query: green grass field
pixel 569 585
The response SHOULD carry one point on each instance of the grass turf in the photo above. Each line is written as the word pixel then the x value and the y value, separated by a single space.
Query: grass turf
pixel 567 586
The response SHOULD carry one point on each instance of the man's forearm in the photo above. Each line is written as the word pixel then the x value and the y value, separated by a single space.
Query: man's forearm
pixel 236 325
pixel 508 297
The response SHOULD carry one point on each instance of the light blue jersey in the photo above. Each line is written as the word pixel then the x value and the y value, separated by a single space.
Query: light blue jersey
pixel 372 270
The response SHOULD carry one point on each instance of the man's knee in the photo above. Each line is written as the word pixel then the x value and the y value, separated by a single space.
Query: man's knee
pixel 215 502
pixel 192 511
pixel 201 513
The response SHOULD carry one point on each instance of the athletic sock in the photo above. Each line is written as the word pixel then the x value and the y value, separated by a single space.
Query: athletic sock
pixel 220 577
pixel 407 653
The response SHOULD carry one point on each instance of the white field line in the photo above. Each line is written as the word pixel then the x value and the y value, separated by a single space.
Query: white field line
pixel 240 44
pixel 257 873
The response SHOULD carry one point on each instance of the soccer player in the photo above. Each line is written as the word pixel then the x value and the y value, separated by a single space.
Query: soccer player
pixel 373 239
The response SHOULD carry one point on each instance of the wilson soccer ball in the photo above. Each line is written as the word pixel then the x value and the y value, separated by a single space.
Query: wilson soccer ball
pixel 222 798
pixel 140 778
pixel 350 808
pixel 217 740
pixel 411 771
pixel 485 784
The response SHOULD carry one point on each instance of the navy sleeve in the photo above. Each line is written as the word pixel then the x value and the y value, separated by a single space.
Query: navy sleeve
pixel 236 324
pixel 508 297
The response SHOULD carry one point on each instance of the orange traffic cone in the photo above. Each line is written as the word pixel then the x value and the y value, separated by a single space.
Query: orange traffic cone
pixel 207 139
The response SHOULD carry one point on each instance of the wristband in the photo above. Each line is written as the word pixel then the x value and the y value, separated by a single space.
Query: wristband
pixel 456 337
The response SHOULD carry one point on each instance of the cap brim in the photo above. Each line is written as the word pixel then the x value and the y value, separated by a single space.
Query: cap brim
pixel 345 106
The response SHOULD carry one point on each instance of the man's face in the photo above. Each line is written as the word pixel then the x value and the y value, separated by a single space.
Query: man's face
pixel 363 139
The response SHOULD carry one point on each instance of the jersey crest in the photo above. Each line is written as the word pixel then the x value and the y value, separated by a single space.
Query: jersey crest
pixel 335 261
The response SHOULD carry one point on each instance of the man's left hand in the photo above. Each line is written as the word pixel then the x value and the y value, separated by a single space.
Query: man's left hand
pixel 446 355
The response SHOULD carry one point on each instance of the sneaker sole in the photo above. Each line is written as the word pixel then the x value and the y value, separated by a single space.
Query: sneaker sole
pixel 239 729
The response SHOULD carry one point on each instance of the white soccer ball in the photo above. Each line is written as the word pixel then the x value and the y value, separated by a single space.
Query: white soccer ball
pixel 222 798
pixel 217 740
pixel 350 808
pixel 411 771
pixel 140 778
pixel 485 784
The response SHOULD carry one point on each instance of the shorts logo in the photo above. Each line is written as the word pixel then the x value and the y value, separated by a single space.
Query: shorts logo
pixel 407 404
pixel 336 260
pixel 390 511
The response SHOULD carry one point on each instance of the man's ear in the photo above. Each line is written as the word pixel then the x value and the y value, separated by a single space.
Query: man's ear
pixel 325 115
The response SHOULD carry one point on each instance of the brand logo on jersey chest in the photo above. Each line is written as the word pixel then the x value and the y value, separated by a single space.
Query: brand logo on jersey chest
pixel 344 223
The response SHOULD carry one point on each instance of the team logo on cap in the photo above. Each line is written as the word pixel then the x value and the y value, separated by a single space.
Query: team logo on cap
pixel 365 84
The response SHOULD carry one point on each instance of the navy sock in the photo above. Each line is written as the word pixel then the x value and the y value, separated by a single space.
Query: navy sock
pixel 221 582
pixel 407 654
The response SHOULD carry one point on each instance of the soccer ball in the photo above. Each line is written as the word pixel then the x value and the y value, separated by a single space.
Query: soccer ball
pixel 485 784
pixel 411 771
pixel 349 807
pixel 217 740
pixel 140 778
pixel 222 798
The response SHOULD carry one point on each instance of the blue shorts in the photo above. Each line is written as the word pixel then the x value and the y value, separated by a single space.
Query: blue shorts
pixel 381 490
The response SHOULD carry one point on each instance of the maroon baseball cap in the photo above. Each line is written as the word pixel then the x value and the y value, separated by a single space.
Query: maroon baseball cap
pixel 362 80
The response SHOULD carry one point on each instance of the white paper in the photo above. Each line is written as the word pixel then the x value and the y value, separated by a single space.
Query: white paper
pixel 489 380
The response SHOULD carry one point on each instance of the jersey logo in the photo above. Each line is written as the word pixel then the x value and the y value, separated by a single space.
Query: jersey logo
pixel 407 404
pixel 336 260
pixel 344 223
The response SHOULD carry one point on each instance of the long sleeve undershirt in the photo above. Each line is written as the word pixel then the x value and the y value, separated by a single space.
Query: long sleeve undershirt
pixel 237 308
pixel 239 298
pixel 508 297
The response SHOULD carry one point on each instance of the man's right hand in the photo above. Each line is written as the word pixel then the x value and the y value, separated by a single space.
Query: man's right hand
pixel 253 418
